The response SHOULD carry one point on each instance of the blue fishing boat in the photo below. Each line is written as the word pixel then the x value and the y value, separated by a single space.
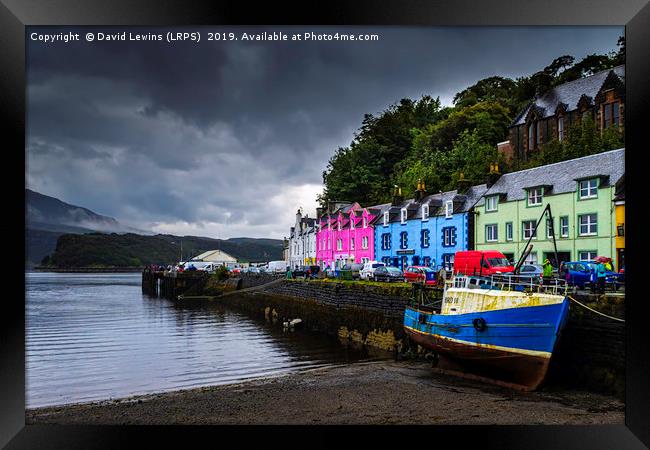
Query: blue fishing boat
pixel 501 328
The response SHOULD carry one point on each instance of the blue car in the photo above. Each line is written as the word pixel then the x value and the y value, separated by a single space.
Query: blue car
pixel 613 279
pixel 580 274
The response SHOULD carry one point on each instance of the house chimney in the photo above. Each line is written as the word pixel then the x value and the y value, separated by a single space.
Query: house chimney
pixel 420 192
pixel 397 196
pixel 463 183
pixel 493 175
pixel 319 212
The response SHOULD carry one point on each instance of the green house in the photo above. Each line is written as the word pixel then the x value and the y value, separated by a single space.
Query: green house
pixel 580 192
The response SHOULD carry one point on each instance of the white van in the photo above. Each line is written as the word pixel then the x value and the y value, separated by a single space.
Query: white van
pixel 368 269
pixel 277 266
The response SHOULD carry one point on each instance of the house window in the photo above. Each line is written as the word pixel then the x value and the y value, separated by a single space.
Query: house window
pixel 338 225
pixel 531 137
pixel 588 188
pixel 364 242
pixel 587 255
pixel 560 129
pixel 449 208
pixel 403 239
pixel 508 231
pixel 386 218
pixel 365 222
pixel 564 226
pixel 549 229
pixel 588 224
pixel 425 212
pixel 531 258
pixel 448 261
pixel 365 260
pixel 385 241
pixel 527 228
pixel 351 223
pixel 491 233
pixel 352 244
pixel 491 203
pixel 610 114
pixel 448 236
pixel 339 244
pixel 535 196
pixel 403 214
pixel 425 238
pixel 538 133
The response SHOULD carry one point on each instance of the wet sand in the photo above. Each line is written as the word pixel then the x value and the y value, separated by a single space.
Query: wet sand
pixel 381 393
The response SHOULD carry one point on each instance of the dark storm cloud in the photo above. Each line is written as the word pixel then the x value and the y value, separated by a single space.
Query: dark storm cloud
pixel 228 133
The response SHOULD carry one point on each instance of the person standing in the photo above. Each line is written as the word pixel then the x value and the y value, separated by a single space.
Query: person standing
pixel 442 276
pixel 601 273
pixel 547 272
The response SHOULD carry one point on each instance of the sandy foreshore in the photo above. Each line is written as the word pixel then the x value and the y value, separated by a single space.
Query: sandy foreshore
pixel 384 392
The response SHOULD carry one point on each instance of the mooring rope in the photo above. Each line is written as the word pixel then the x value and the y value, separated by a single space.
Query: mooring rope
pixel 593 310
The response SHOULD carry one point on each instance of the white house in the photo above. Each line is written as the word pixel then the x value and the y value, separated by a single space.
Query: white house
pixel 302 242
pixel 216 256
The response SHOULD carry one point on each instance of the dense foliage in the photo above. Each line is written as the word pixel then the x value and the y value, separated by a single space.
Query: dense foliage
pixel 128 250
pixel 420 139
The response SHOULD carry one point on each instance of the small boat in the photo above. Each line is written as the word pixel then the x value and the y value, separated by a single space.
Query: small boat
pixel 502 329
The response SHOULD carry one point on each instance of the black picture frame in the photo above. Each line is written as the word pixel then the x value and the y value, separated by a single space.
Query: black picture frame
pixel 634 14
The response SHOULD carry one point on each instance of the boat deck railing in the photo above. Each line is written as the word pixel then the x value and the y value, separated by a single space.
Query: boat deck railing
pixel 511 282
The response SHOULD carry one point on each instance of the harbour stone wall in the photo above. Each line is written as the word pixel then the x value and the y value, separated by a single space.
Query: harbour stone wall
pixel 359 314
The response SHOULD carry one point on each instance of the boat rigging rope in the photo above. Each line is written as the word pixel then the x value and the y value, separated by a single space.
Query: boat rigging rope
pixel 593 310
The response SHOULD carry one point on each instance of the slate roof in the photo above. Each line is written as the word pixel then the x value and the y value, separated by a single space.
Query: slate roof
pixel 561 176
pixel 462 203
pixel 569 94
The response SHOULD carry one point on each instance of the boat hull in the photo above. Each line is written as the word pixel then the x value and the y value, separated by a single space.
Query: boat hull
pixel 510 346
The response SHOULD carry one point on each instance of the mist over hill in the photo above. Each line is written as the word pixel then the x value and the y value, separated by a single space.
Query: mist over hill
pixel 60 234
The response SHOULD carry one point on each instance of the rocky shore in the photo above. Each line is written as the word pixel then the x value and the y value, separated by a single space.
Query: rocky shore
pixel 382 393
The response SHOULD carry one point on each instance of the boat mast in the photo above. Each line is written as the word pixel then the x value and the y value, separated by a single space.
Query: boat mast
pixel 547 210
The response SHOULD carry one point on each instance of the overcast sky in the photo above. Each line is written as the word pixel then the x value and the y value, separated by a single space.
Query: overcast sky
pixel 228 139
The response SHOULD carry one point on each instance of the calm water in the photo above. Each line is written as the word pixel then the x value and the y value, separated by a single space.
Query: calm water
pixel 95 336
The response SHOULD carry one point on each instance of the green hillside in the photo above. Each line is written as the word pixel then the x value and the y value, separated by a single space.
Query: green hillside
pixel 123 250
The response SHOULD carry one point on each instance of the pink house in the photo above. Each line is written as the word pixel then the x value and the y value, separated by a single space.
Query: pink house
pixel 346 236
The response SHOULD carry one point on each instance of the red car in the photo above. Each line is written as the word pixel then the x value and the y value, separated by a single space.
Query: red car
pixel 419 274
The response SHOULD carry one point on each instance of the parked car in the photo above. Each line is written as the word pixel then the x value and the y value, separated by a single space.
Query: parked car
pixel 485 262
pixel 387 274
pixel 300 272
pixel 312 271
pixel 612 279
pixel 277 266
pixel 369 268
pixel 420 274
pixel 354 268
pixel 579 273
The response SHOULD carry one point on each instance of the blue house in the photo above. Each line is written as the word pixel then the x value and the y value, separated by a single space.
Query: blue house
pixel 426 230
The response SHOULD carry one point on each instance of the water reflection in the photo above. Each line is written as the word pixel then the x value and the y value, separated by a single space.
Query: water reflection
pixel 95 336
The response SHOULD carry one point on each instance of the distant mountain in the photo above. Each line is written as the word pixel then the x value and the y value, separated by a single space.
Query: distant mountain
pixel 64 235
pixel 47 218
pixel 127 250
pixel 45 212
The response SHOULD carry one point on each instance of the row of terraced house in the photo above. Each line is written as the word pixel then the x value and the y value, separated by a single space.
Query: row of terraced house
pixel 586 197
